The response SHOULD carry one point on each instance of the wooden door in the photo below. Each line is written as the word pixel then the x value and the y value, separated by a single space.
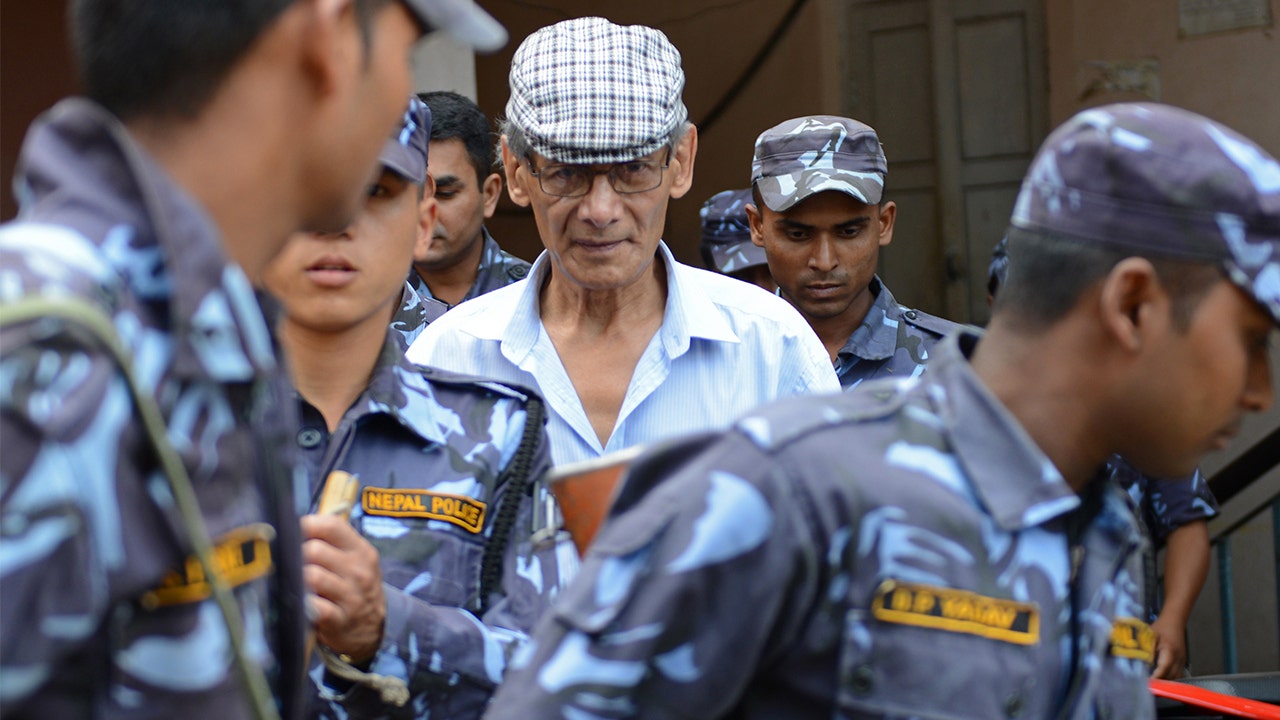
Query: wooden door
pixel 956 91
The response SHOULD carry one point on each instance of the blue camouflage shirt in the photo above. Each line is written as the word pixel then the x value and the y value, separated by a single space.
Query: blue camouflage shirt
pixel 498 269
pixel 903 551
pixel 893 341
pixel 428 448
pixel 414 313
pixel 102 614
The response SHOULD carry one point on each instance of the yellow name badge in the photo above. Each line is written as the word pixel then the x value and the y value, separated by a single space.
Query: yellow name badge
pixel 1131 638
pixel 240 556
pixel 957 611
pixel 467 513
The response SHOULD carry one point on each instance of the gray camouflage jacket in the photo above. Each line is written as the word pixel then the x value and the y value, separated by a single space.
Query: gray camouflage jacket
pixel 102 615
pixel 498 269
pixel 896 552
pixel 428 448
pixel 893 341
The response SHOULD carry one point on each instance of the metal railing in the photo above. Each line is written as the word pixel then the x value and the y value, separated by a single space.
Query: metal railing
pixel 1241 475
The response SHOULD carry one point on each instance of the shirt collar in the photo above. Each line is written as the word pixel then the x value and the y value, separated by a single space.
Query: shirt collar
pixel 690 312
pixel 399 389
pixel 1015 480
pixel 81 154
pixel 876 338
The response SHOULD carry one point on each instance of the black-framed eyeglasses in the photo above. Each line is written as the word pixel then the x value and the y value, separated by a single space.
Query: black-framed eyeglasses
pixel 626 178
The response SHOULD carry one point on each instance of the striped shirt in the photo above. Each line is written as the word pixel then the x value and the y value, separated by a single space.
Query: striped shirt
pixel 724 347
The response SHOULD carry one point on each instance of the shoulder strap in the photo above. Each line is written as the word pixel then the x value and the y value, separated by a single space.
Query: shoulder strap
pixel 77 314
pixel 517 477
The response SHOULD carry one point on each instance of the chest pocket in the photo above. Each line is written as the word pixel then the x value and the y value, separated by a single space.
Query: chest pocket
pixel 431 543
pixel 914 650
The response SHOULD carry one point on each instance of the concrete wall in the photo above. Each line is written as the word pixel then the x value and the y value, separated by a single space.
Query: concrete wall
pixel 1231 76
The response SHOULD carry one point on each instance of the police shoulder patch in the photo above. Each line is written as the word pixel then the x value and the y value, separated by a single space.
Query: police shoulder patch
pixel 958 611
pixel 465 512
pixel 240 556
pixel 1131 638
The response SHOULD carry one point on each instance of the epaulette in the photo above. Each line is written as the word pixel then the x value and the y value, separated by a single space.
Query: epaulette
pixel 472 383
pixel 788 420
pixel 930 323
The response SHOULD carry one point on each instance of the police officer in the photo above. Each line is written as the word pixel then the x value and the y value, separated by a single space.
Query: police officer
pixel 459 259
pixel 726 239
pixel 142 410
pixel 948 547
pixel 435 580
pixel 819 214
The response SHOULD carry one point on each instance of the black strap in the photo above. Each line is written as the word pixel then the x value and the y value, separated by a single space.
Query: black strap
pixel 516 478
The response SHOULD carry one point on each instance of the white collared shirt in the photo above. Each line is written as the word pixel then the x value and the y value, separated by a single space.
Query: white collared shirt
pixel 724 347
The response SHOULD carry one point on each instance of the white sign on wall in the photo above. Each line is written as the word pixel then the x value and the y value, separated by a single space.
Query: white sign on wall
pixel 1199 17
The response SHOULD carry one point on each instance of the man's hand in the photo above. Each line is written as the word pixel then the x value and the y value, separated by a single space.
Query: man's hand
pixel 342 571
pixel 1171 649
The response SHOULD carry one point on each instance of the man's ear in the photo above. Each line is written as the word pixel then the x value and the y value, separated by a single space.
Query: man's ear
pixel 681 166
pixel 330 40
pixel 490 189
pixel 1132 303
pixel 888 214
pixel 755 220
pixel 517 176
pixel 428 211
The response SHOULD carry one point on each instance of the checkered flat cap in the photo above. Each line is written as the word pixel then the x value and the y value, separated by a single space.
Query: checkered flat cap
pixel 726 232
pixel 808 155
pixel 1157 179
pixel 587 91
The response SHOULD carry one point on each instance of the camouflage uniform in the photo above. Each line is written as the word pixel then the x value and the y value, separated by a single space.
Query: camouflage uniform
pixel 901 551
pixel 726 234
pixel 415 313
pixel 102 616
pixel 498 268
pixel 892 341
pixel 428 447
pixel 904 550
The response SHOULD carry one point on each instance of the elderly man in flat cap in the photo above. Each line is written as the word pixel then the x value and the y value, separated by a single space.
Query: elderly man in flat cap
pixel 627 345
pixel 951 546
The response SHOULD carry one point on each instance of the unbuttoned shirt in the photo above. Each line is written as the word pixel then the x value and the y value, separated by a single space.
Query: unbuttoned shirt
pixel 900 551
pixel 105 612
pixel 724 347
pixel 893 341
pixel 429 449
pixel 498 269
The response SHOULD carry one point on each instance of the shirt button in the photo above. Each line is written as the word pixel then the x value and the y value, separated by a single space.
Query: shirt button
pixel 862 680
pixel 911 314
pixel 518 271
pixel 309 438
pixel 1013 706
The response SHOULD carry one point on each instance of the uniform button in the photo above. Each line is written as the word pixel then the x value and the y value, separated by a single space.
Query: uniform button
pixel 309 438
pixel 862 680
pixel 518 271
pixel 911 314
pixel 1013 706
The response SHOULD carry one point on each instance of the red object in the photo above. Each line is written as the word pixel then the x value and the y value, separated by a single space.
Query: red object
pixel 1210 700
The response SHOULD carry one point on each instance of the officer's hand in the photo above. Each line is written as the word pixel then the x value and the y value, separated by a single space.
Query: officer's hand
pixel 342 571
pixel 1171 649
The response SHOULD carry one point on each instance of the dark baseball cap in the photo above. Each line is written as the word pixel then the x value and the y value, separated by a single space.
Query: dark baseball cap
pixel 462 19
pixel 405 152
pixel 1158 179
pixel 726 232
pixel 808 155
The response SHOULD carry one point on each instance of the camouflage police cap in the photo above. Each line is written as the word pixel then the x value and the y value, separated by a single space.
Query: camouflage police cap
pixel 1161 180
pixel 405 152
pixel 462 19
pixel 726 233
pixel 589 91
pixel 809 155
